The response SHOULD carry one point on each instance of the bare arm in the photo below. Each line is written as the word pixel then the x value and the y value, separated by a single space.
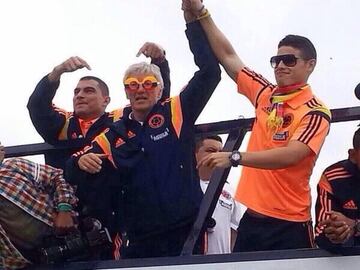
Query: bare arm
pixel 220 45
pixel 276 158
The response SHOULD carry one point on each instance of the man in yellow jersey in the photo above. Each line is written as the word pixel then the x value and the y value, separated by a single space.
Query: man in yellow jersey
pixel 290 127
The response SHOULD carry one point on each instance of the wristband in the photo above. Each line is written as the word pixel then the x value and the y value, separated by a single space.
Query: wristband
pixel 64 207
pixel 204 15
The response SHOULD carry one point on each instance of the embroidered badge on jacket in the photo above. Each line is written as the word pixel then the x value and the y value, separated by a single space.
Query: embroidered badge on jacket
pixel 156 121
pixel 281 136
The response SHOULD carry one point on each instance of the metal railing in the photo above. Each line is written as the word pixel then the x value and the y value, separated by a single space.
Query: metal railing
pixel 236 129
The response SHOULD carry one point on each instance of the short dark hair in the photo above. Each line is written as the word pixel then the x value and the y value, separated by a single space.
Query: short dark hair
pixel 356 139
pixel 301 43
pixel 103 86
pixel 199 140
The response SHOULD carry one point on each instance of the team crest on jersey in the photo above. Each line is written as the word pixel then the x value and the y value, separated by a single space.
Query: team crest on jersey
pixel 156 121
pixel 281 136
pixel 287 120
pixel 74 135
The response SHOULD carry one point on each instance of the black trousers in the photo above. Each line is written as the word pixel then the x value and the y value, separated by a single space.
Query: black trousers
pixel 166 244
pixel 267 233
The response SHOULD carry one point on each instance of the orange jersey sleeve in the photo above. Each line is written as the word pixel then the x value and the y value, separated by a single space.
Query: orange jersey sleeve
pixel 312 130
pixel 251 84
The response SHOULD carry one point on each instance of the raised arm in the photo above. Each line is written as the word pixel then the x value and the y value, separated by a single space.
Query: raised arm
pixel 197 92
pixel 158 57
pixel 220 45
pixel 46 118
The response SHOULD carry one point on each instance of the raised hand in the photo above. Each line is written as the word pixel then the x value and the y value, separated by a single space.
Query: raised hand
pixel 70 65
pixel 192 9
pixel 152 50
pixel 186 5
pixel 195 6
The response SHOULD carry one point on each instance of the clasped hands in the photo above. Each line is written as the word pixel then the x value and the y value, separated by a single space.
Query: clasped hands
pixel 337 227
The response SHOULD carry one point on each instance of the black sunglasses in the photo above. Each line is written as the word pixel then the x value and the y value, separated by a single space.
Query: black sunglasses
pixel 289 60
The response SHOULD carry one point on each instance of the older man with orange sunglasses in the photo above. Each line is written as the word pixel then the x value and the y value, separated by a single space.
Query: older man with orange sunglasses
pixel 152 148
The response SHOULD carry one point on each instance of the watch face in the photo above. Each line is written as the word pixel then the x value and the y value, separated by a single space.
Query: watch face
pixel 235 156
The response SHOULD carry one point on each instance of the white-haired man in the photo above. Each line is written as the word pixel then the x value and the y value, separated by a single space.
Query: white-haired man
pixel 152 147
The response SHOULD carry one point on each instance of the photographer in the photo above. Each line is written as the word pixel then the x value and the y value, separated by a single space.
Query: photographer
pixel 35 202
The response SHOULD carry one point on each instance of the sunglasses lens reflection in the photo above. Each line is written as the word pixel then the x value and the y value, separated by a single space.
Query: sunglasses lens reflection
pixel 133 85
pixel 289 60
pixel 148 85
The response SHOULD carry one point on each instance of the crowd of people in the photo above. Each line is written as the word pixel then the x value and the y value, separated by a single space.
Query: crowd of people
pixel 139 172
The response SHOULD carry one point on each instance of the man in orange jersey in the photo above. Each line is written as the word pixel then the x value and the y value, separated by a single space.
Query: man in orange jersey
pixel 338 202
pixel 290 127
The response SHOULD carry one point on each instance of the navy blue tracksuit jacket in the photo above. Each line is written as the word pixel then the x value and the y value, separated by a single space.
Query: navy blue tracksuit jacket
pixel 158 182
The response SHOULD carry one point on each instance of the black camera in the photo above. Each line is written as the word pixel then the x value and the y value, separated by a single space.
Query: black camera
pixel 85 244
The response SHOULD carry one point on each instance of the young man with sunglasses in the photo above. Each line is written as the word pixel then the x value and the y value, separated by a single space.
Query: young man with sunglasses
pixel 290 127
pixel 152 148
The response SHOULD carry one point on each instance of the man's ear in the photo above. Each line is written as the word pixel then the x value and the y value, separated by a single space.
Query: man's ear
pixel 107 100
pixel 127 95
pixel 311 65
pixel 352 155
pixel 159 94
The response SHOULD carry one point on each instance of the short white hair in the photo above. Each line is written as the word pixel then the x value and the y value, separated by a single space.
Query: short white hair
pixel 144 68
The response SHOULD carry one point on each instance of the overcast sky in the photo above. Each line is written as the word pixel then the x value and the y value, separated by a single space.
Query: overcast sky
pixel 37 35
